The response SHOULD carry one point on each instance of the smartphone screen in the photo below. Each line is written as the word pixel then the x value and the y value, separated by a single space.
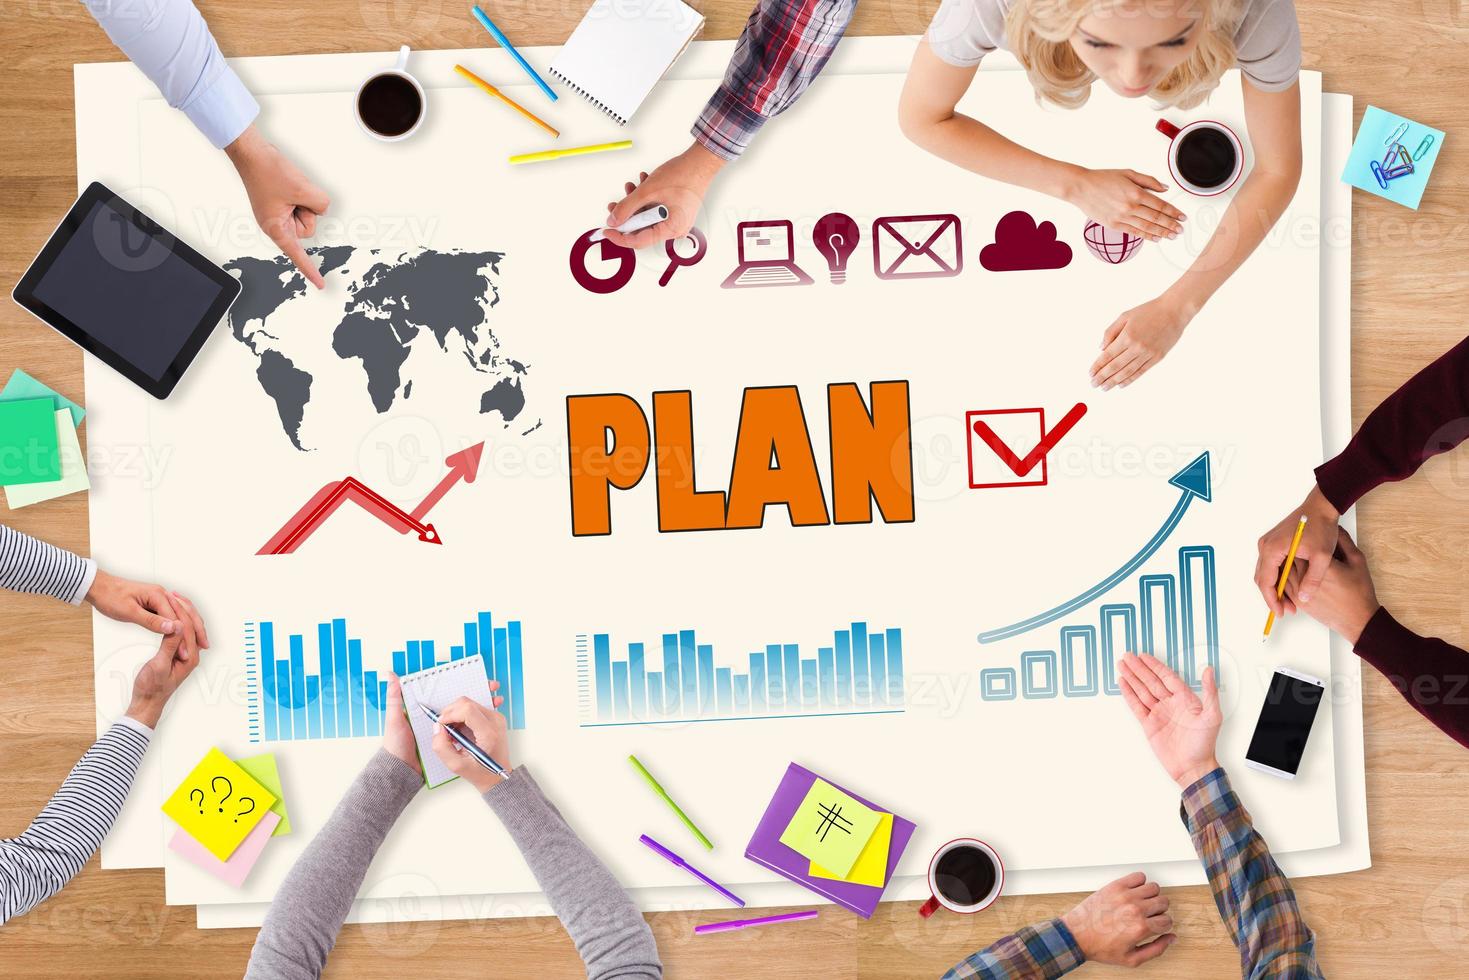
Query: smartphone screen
pixel 1285 723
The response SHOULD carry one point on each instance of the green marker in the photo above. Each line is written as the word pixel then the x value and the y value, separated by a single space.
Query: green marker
pixel 669 800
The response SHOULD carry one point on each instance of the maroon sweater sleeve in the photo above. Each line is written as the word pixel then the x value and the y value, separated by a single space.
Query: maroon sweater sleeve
pixel 1432 675
pixel 1426 416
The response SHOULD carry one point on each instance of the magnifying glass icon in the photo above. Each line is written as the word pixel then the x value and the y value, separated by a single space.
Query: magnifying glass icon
pixel 701 245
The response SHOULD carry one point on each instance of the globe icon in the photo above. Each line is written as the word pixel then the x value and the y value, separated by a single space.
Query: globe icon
pixel 1108 244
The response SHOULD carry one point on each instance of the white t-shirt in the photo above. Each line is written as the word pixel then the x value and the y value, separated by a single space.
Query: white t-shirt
pixel 1268 41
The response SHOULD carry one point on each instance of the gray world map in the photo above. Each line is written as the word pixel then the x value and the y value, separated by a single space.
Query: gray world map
pixel 396 299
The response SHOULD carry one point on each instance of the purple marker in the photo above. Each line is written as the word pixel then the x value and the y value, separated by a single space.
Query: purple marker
pixel 746 923
pixel 674 859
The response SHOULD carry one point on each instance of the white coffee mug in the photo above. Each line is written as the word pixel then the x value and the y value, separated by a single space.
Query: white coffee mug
pixel 400 70
pixel 937 896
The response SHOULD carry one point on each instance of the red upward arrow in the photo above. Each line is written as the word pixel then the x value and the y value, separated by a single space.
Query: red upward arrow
pixel 463 465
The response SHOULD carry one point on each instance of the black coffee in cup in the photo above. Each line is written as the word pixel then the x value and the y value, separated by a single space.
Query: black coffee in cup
pixel 1206 157
pixel 965 875
pixel 389 104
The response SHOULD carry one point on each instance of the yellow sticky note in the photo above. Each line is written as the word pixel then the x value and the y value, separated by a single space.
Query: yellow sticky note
pixel 263 768
pixel 830 828
pixel 872 864
pixel 218 804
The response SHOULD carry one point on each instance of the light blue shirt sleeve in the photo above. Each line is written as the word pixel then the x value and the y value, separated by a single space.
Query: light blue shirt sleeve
pixel 170 43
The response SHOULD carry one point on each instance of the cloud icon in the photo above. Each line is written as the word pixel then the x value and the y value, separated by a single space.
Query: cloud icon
pixel 1021 244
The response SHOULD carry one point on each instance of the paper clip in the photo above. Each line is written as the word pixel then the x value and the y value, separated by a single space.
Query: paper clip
pixel 1397 163
pixel 1423 147
pixel 1377 172
pixel 1397 134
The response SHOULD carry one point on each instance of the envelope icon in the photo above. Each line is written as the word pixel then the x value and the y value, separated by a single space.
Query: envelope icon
pixel 917 246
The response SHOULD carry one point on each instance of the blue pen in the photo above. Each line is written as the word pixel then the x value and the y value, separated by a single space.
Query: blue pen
pixel 504 42
pixel 479 754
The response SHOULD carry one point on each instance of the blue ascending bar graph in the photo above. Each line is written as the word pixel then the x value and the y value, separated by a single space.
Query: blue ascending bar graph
pixel 679 679
pixel 1176 618
pixel 332 696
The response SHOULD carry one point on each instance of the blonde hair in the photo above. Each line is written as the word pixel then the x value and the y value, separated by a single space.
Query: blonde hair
pixel 1038 32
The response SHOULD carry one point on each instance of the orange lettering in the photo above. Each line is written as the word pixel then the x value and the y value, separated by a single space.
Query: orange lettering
pixel 871 453
pixel 773 461
pixel 596 469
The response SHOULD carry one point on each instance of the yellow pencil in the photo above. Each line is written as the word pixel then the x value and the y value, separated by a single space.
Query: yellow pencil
pixel 570 151
pixel 491 90
pixel 1285 573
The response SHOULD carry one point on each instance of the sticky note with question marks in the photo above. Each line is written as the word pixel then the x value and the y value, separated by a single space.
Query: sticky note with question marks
pixel 218 804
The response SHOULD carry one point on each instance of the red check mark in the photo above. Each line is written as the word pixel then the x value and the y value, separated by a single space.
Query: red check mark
pixel 1047 443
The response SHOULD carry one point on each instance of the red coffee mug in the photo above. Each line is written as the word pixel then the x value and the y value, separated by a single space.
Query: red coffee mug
pixel 1177 135
pixel 936 895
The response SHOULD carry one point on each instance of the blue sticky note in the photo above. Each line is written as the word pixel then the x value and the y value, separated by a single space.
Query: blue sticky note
pixel 1422 142
pixel 22 385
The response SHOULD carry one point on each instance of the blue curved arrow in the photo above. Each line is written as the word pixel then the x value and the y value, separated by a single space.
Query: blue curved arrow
pixel 1193 480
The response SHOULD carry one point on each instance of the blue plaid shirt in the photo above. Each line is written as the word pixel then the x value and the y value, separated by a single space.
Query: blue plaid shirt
pixel 1253 895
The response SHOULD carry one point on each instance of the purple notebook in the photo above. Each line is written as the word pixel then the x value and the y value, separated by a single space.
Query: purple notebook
pixel 766 849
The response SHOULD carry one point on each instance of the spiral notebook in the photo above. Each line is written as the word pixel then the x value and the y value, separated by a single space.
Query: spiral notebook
pixel 438 687
pixel 621 48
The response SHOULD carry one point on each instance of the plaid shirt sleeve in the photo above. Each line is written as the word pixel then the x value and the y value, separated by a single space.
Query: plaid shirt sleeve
pixel 783 48
pixel 1254 897
pixel 1046 949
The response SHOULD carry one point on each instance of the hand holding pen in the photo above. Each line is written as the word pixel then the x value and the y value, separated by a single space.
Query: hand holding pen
pixel 485 730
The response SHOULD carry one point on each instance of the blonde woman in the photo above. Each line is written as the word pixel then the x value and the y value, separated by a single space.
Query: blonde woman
pixel 1171 51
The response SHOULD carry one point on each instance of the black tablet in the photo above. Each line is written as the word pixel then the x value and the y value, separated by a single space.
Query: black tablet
pixel 120 286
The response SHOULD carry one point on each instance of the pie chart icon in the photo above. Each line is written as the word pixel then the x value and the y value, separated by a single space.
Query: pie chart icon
pixel 605 270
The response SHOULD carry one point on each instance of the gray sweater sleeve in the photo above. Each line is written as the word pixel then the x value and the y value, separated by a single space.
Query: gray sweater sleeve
pixel 611 936
pixel 301 927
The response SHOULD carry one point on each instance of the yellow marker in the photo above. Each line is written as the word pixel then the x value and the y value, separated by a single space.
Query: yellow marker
pixel 1285 572
pixel 491 90
pixel 570 151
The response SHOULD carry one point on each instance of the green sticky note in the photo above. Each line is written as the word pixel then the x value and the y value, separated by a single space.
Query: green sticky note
pixel 263 769
pixel 28 447
pixel 73 470
pixel 830 828
pixel 22 385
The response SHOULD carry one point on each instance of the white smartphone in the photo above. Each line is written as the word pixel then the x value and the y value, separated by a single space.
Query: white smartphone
pixel 1285 723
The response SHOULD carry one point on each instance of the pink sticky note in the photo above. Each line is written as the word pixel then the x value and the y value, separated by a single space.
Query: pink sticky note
pixel 233 871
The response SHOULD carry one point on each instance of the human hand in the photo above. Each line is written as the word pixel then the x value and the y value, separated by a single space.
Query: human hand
pixel 398 737
pixel 1181 727
pixel 1318 543
pixel 285 202
pixel 1137 340
pixel 136 602
pixel 679 185
pixel 1109 923
pixel 1123 200
pixel 1344 600
pixel 485 728
pixel 159 677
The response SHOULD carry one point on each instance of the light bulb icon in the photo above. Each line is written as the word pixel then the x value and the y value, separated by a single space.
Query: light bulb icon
pixel 836 236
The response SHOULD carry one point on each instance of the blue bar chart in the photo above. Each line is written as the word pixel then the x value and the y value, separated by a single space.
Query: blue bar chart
pixel 680 680
pixel 1176 619
pixel 332 696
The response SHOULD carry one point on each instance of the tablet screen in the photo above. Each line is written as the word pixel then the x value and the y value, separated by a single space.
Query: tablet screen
pixel 130 291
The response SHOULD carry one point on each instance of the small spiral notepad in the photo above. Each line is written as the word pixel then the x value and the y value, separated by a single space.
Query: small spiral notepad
pixel 621 48
pixel 438 687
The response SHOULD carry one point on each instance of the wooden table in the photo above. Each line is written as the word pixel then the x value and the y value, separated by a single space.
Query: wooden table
pixel 1407 916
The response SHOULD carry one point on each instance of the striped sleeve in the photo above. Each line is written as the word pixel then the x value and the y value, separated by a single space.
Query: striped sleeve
pixel 29 565
pixel 1046 950
pixel 782 49
pixel 39 863
pixel 1254 896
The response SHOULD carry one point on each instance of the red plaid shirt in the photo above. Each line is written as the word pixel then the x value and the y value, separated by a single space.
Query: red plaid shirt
pixel 784 46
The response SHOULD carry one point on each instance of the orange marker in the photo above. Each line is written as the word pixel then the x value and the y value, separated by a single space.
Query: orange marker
pixel 491 90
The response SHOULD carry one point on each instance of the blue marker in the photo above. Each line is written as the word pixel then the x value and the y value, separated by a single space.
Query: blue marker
pixel 504 42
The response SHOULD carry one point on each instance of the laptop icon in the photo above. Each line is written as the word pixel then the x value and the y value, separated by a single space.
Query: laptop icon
pixel 767 257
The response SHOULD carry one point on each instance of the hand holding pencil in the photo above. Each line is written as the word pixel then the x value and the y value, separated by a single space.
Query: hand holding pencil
pixel 1317 544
